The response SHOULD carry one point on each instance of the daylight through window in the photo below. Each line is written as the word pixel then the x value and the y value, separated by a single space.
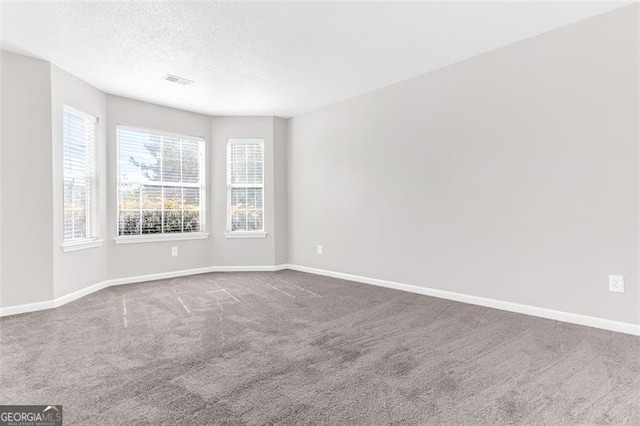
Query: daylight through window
pixel 160 183
pixel 245 185
pixel 79 176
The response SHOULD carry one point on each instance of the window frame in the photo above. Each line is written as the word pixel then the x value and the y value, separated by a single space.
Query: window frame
pixel 92 215
pixel 229 233
pixel 173 236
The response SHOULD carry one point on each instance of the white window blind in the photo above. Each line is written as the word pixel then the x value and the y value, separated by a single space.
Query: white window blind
pixel 161 183
pixel 79 176
pixel 245 185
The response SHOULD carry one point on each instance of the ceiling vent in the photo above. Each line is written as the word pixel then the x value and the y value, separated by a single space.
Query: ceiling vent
pixel 176 79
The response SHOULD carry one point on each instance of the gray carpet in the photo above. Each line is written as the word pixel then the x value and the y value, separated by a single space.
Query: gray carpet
pixel 295 348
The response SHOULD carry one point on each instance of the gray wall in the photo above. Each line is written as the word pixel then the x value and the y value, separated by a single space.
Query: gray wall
pixel 281 201
pixel 33 267
pixel 130 260
pixel 77 269
pixel 248 251
pixel 26 192
pixel 1 175
pixel 512 175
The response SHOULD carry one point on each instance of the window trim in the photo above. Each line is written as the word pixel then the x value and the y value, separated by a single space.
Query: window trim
pixel 93 240
pixel 81 245
pixel 246 234
pixel 156 238
pixel 243 234
pixel 174 236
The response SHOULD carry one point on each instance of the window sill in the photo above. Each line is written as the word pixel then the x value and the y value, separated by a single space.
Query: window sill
pixel 160 238
pixel 80 245
pixel 245 234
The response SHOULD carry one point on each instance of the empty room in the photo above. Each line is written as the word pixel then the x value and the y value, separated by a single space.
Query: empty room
pixel 319 213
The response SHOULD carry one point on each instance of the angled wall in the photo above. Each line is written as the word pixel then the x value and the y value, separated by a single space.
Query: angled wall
pixel 267 251
pixel 512 176
pixel 280 196
pixel 131 260
pixel 35 273
pixel 76 270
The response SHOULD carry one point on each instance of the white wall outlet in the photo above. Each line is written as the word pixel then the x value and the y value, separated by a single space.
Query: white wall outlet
pixel 174 251
pixel 616 283
pixel 319 249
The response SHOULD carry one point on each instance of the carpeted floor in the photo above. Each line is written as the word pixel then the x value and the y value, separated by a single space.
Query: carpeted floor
pixel 295 348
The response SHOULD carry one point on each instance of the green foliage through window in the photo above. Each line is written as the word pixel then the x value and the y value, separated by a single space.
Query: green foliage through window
pixel 160 183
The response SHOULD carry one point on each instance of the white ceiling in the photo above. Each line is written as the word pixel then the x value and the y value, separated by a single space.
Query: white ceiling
pixel 268 58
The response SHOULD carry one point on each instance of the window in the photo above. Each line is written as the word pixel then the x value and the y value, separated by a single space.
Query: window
pixel 245 187
pixel 79 177
pixel 161 186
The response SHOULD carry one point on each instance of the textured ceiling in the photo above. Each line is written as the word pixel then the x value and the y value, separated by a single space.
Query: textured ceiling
pixel 267 58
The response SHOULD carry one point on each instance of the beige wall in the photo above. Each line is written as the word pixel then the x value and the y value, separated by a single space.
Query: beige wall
pixel 512 175
pixel 76 270
pixel 26 192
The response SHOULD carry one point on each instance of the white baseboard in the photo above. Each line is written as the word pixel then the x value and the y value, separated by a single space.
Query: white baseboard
pixel 59 301
pixel 27 307
pixel 196 271
pixel 248 268
pixel 158 276
pixel 606 324
pixel 62 300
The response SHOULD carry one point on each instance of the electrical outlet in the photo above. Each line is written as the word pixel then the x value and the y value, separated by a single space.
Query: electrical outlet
pixel 319 249
pixel 174 251
pixel 616 283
